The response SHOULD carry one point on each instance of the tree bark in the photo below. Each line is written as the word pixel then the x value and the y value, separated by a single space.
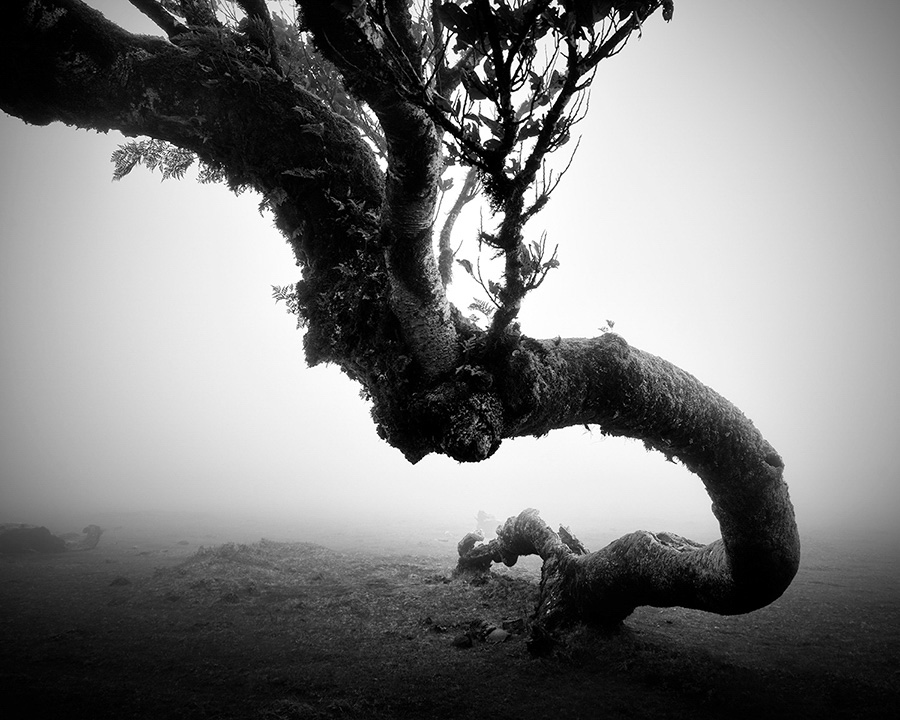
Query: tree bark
pixel 629 392
pixel 383 71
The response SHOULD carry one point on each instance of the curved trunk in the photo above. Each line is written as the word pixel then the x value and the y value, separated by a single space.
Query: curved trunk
pixel 628 392
pixel 632 393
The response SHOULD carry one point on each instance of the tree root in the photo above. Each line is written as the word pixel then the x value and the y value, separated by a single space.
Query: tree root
pixel 602 588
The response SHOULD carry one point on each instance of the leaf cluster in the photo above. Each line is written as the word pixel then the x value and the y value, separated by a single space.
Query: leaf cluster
pixel 288 294
pixel 508 83
pixel 534 266
pixel 169 160
pixel 507 76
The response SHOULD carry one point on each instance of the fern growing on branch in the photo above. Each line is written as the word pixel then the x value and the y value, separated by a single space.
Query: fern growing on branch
pixel 170 160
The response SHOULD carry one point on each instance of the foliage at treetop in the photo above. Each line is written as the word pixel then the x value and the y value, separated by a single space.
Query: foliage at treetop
pixel 506 83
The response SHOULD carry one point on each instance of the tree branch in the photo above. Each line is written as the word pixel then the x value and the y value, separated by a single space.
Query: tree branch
pixel 167 22
pixel 446 254
pixel 609 48
pixel 379 72
pixel 65 62
pixel 399 25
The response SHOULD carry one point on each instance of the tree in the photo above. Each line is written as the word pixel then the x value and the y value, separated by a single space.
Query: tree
pixel 352 121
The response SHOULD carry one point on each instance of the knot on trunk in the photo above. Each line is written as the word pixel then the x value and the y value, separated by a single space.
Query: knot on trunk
pixel 460 422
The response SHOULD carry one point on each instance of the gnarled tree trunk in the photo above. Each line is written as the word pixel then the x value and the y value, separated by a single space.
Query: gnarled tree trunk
pixel 371 296
pixel 632 393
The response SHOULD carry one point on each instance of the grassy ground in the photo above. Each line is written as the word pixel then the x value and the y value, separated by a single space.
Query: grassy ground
pixel 159 627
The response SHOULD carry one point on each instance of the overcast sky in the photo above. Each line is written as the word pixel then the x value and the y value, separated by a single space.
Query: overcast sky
pixel 733 208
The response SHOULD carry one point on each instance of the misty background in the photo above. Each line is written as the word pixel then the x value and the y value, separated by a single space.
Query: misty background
pixel 733 208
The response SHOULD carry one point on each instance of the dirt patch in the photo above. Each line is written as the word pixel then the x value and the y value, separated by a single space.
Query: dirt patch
pixel 296 630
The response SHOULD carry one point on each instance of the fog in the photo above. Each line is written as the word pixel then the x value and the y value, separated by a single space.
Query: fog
pixel 732 207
